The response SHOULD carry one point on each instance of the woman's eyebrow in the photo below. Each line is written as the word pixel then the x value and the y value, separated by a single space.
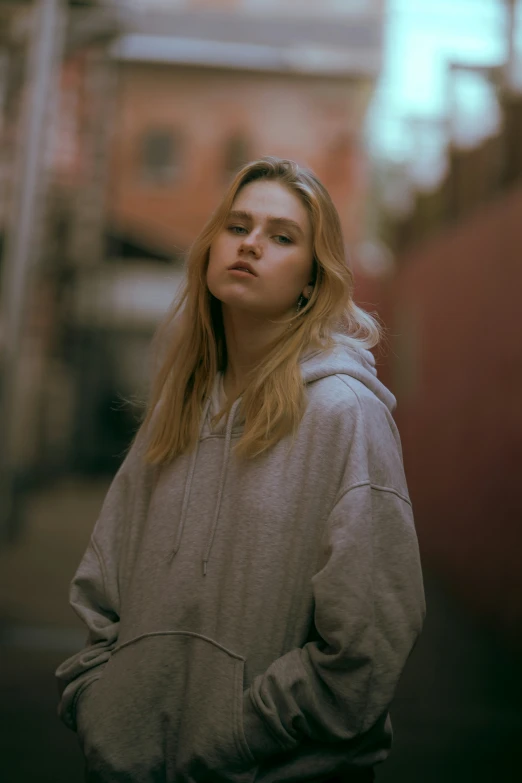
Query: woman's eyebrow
pixel 280 221
pixel 240 214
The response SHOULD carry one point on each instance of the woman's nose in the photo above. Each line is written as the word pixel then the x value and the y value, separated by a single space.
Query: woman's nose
pixel 250 244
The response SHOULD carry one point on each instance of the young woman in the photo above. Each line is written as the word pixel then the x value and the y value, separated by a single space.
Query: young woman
pixel 252 588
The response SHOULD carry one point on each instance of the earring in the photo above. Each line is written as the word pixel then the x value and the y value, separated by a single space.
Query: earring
pixel 300 302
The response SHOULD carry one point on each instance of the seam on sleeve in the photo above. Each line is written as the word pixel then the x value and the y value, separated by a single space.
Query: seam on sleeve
pixel 393 491
pixel 96 551
pixel 376 487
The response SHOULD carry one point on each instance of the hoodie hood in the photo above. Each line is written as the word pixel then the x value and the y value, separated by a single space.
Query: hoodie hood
pixel 346 358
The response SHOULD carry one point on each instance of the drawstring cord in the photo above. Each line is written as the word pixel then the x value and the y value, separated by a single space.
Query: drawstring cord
pixel 224 467
pixel 188 485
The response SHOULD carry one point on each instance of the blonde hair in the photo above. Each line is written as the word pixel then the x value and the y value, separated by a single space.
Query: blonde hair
pixel 192 338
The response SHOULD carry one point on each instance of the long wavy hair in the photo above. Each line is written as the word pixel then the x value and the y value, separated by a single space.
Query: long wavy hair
pixel 191 339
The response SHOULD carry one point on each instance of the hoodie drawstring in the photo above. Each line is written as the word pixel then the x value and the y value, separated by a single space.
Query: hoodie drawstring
pixel 188 485
pixel 224 466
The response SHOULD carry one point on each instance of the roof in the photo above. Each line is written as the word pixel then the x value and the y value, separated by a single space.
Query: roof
pixel 338 46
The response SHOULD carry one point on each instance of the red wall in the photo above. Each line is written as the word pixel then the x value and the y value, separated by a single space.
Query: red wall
pixel 456 367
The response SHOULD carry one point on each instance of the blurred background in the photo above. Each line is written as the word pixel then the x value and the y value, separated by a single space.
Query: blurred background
pixel 121 122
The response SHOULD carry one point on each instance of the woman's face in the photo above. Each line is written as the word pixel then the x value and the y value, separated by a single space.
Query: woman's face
pixel 261 262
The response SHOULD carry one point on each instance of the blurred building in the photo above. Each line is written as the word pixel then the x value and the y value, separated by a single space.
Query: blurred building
pixel 201 93
pixel 197 89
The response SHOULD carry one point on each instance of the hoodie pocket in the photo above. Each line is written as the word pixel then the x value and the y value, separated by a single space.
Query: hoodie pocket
pixel 168 707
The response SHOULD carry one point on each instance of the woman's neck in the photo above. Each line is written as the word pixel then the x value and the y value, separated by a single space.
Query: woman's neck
pixel 248 340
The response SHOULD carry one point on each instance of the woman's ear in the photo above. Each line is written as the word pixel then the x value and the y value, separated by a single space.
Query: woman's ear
pixel 307 291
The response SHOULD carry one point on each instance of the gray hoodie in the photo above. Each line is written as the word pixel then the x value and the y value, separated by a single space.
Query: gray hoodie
pixel 249 620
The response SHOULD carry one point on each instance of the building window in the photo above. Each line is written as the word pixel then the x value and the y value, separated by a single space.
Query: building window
pixel 160 158
pixel 237 153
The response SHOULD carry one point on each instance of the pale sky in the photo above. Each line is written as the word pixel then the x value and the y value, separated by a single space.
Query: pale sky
pixel 422 36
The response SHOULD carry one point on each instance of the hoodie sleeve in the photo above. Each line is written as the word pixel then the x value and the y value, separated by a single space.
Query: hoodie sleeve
pixel 369 609
pixel 94 596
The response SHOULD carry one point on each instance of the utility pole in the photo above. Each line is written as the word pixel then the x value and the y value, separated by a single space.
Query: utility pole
pixel 21 251
pixel 511 60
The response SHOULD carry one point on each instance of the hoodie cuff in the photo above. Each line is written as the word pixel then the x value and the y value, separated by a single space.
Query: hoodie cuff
pixel 259 740
pixel 71 715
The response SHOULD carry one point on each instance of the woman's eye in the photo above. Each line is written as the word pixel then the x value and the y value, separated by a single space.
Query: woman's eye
pixel 283 240
pixel 237 229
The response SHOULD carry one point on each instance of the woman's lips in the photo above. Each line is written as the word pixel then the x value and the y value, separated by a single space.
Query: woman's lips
pixel 242 272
